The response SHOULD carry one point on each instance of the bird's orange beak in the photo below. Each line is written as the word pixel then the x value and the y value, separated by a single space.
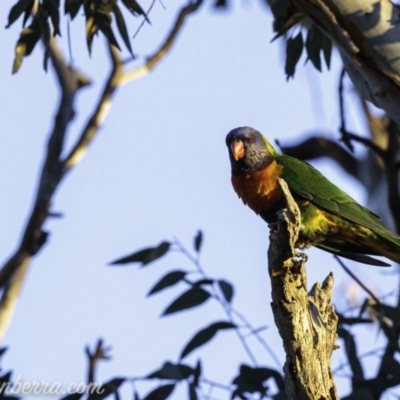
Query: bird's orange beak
pixel 237 149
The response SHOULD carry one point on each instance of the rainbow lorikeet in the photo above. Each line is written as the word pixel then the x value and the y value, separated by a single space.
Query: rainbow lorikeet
pixel 331 219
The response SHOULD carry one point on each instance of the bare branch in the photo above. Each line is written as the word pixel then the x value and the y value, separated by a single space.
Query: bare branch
pixel 101 352
pixel 319 146
pixel 13 272
pixel 100 113
pixel 343 265
pixel 153 60
pixel 54 169
pixel 145 18
pixel 117 78
pixel 307 323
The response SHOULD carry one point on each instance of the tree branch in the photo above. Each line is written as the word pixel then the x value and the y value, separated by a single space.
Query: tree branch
pixel 99 114
pixel 153 60
pixel 13 272
pixel 307 323
pixel 117 78
pixel 318 146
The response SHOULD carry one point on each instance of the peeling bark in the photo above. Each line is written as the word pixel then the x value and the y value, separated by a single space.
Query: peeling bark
pixel 307 322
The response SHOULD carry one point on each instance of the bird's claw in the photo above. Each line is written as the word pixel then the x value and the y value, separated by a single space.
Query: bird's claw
pixel 301 255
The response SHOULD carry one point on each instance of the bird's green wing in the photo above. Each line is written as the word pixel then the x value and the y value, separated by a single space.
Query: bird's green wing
pixel 307 182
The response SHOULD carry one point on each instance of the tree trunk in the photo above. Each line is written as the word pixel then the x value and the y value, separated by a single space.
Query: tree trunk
pixel 367 34
pixel 307 322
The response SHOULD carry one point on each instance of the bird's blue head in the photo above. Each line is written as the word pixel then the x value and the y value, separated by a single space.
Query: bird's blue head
pixel 248 150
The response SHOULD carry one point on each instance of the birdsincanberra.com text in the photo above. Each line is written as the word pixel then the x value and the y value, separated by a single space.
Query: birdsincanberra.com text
pixel 49 388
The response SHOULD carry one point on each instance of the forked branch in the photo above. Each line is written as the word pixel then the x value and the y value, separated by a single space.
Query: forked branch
pixel 13 272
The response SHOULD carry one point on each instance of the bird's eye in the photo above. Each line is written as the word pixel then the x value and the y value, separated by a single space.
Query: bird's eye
pixel 252 138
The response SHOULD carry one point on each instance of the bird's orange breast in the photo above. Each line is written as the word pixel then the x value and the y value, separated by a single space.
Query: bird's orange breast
pixel 260 190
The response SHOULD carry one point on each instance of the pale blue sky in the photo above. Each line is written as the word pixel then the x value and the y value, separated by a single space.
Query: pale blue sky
pixel 158 169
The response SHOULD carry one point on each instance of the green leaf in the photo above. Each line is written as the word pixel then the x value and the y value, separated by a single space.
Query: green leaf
pixel 91 29
pixel 2 351
pixel 286 15
pixel 204 336
pixel 25 44
pixel 17 9
pixel 280 8
pixel 294 48
pixel 351 352
pixel 198 240
pixel 103 21
pixel 161 393
pixel 134 7
pixel 281 27
pixel 122 27
pixel 45 29
pixel 27 14
pixel 168 280
pixel 52 7
pixel 316 42
pixel 176 372
pixel 327 49
pixel 221 4
pixel 203 282
pixel 72 7
pixel 145 256
pixel 226 289
pixel 189 299
pixel 6 382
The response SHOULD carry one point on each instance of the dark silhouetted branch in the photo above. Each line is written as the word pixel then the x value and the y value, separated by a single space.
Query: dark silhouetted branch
pixel 319 146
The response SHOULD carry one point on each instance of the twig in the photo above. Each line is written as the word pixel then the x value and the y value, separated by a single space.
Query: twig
pixel 220 300
pixel 229 309
pixel 368 143
pixel 118 78
pixel 342 264
pixel 347 136
pixel 100 353
pixel 153 60
pixel 144 19
pixel 216 384
pixel 342 128
pixel 360 356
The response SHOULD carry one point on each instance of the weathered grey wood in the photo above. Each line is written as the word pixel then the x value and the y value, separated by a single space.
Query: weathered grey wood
pixel 307 322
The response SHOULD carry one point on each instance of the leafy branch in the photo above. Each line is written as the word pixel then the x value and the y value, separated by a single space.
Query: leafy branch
pixel 201 288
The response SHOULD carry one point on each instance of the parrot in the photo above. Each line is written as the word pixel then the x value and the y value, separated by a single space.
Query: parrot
pixel 331 219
